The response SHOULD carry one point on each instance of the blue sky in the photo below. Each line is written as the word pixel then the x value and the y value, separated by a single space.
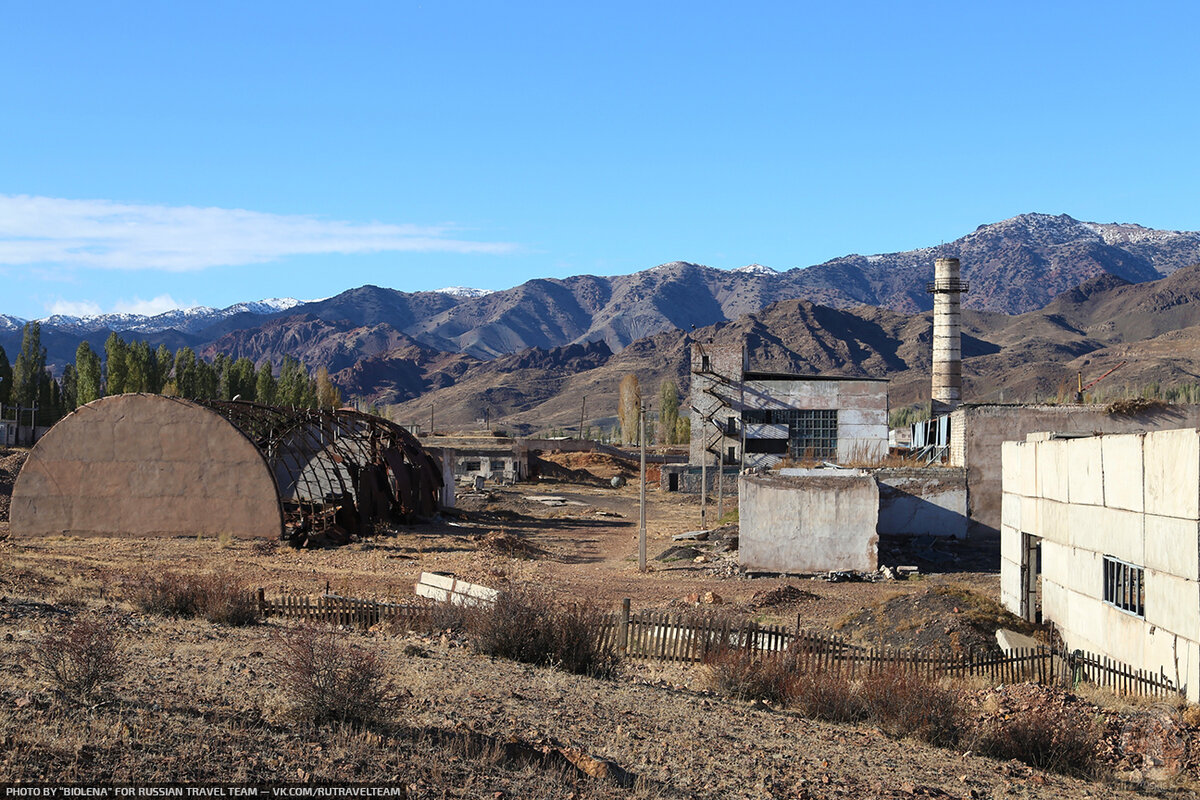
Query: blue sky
pixel 154 154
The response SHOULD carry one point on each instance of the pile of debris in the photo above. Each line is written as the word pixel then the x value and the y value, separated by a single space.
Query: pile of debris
pixel 780 596
pixel 717 546
pixel 507 544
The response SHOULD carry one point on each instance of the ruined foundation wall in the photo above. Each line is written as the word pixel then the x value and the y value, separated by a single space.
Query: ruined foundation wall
pixel 142 465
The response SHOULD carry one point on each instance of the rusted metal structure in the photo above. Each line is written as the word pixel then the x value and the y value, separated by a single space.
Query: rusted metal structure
pixel 338 468
pixel 148 465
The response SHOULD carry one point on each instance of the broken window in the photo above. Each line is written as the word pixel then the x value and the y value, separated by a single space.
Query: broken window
pixel 1125 586
pixel 473 466
pixel 812 433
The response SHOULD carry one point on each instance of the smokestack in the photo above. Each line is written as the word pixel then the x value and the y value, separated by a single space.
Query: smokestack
pixel 947 290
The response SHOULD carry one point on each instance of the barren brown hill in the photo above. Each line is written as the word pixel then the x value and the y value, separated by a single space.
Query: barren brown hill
pixel 1033 356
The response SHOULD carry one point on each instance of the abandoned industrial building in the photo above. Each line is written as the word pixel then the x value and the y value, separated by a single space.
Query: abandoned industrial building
pixel 1101 539
pixel 755 419
pixel 142 465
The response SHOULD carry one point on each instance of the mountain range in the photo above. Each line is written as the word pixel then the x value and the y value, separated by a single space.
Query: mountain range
pixel 1033 279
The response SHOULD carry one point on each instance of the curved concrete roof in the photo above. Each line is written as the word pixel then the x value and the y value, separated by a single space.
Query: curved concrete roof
pixel 142 465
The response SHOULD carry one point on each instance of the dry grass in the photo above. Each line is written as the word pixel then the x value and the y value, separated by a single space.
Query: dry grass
pixel 216 596
pixel 528 626
pixel 1045 737
pixel 327 678
pixel 80 656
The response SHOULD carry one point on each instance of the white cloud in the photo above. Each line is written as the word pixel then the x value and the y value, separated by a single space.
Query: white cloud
pixel 110 235
pixel 149 308
pixel 74 308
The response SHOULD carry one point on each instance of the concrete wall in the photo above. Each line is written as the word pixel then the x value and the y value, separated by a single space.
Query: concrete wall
pixel 721 374
pixel 808 524
pixel 1133 497
pixel 689 479
pixel 862 408
pixel 923 502
pixel 143 465
pixel 977 432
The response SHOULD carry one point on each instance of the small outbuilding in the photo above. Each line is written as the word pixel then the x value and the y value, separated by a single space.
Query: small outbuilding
pixel 143 464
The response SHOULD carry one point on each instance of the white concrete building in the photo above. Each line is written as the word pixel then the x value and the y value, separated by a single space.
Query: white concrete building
pixel 755 419
pixel 1114 521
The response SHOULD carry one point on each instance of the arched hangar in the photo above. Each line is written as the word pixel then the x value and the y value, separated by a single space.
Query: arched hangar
pixel 143 464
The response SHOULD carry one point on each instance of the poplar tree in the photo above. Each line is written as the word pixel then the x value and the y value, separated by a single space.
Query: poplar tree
pixel 30 369
pixel 70 388
pixel 328 395
pixel 668 402
pixel 264 389
pixel 630 406
pixel 87 375
pixel 6 378
pixel 116 363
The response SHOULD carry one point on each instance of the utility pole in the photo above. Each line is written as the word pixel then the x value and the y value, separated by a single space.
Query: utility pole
pixel 721 482
pixel 431 419
pixel 642 491
pixel 582 406
pixel 703 482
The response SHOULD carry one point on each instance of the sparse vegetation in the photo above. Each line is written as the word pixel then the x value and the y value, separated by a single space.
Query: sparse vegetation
pixel 528 626
pixel 1043 736
pixel 327 678
pixel 80 656
pixel 217 597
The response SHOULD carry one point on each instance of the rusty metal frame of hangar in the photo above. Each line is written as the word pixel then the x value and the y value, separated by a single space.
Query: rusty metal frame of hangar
pixel 338 466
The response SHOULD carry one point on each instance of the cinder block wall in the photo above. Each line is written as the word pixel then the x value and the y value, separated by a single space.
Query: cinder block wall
pixel 1133 497
pixel 140 465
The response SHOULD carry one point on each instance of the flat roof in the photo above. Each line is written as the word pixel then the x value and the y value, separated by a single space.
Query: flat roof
pixel 788 376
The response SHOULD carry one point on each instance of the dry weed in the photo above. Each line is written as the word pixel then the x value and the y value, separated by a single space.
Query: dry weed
pixel 330 679
pixel 80 656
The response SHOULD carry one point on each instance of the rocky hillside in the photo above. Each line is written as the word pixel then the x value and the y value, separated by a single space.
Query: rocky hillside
pixel 1153 327
pixel 1014 267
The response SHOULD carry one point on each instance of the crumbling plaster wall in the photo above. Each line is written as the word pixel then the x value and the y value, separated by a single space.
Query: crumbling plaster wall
pixel 808 524
pixel 140 465
pixel 978 431
pixel 1133 497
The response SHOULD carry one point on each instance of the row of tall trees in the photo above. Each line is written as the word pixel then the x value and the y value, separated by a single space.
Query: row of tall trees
pixel 669 428
pixel 135 367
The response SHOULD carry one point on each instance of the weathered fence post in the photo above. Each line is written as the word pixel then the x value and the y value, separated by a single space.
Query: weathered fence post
pixel 623 631
pixel 262 602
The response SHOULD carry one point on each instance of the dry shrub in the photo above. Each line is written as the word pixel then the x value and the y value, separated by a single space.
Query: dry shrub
pixel 902 703
pixel 329 679
pixel 217 597
pixel 829 696
pixel 1045 737
pixel 745 675
pixel 529 627
pixel 80 656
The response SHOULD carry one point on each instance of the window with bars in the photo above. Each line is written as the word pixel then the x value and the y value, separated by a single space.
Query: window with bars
pixel 1125 586
pixel 812 433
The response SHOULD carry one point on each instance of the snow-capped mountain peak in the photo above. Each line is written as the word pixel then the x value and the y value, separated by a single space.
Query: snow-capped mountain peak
pixel 464 291
pixel 186 320
pixel 755 269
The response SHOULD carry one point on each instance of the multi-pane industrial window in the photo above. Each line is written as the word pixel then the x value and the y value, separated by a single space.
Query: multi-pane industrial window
pixel 1125 586
pixel 812 433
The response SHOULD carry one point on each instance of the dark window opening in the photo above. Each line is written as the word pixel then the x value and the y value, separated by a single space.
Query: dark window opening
pixel 778 447
pixel 472 466
pixel 1125 586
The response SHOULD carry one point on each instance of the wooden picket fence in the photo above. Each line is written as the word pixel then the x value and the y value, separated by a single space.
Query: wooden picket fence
pixel 332 609
pixel 690 637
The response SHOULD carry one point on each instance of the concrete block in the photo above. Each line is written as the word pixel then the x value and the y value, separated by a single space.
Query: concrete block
pixel 1054 521
pixel 1172 603
pixel 1122 461
pixel 1086 474
pixel 1011 547
pixel 1172 473
pixel 1109 531
pixel 1010 511
pixel 1172 545
pixel 1053 471
pixel 1054 604
pixel 1031 515
pixel 1027 472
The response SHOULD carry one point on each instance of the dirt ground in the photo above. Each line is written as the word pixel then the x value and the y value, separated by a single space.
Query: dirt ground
pixel 200 701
